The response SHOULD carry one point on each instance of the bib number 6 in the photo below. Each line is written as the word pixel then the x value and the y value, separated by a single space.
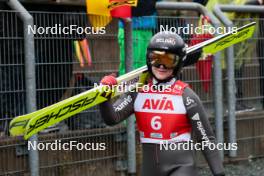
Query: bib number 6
pixel 155 123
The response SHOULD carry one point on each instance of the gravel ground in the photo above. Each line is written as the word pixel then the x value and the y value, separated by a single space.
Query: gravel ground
pixel 247 168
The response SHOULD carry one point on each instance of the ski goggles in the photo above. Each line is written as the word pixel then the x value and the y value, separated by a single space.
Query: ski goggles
pixel 168 60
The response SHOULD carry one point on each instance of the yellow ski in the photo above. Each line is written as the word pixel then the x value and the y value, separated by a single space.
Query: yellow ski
pixel 50 115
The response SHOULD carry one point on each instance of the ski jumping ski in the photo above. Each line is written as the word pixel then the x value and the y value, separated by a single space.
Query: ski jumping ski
pixel 30 124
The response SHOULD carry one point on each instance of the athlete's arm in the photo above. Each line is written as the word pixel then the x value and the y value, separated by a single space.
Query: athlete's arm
pixel 202 129
pixel 122 108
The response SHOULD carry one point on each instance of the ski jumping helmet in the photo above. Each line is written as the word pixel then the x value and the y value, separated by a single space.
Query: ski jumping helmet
pixel 167 43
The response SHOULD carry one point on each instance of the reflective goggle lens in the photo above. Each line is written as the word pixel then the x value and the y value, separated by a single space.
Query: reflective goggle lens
pixel 158 58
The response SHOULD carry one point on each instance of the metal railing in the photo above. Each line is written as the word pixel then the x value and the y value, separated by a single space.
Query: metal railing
pixel 59 75
pixel 30 78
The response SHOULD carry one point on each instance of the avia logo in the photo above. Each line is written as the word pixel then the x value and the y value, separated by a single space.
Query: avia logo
pixel 158 104
pixel 166 40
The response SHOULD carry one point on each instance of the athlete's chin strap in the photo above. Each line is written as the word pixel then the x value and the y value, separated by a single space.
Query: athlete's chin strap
pixel 157 81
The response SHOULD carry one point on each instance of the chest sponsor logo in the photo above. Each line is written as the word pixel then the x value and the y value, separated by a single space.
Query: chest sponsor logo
pixel 158 104
pixel 156 135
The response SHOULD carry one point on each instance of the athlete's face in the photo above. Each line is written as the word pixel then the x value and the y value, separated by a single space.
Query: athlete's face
pixel 161 72
pixel 163 63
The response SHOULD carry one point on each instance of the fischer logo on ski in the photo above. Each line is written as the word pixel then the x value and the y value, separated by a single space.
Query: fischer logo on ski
pixel 62 112
pixel 20 123
pixel 233 37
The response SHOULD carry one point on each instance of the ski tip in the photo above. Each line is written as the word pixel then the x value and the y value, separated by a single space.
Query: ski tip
pixel 243 33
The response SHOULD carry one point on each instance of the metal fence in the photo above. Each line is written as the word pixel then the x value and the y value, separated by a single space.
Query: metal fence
pixel 245 73
pixel 59 75
pixel 249 88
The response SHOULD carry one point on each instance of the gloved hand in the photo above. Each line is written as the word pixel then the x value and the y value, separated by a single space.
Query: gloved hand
pixel 109 80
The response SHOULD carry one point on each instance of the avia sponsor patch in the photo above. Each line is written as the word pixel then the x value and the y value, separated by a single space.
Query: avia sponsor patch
pixel 158 104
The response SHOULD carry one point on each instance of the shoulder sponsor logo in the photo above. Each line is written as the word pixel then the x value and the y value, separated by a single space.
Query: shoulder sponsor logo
pixel 202 131
pixel 189 101
pixel 126 101
pixel 196 117
pixel 178 87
